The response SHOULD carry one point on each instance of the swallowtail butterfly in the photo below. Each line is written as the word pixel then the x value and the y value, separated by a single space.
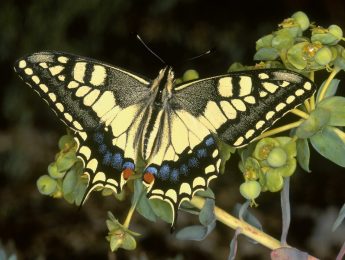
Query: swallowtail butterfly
pixel 120 117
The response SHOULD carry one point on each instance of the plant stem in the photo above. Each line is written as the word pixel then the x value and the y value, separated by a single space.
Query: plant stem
pixel 279 129
pixel 327 83
pixel 245 228
pixel 306 104
pixel 300 113
pixel 235 223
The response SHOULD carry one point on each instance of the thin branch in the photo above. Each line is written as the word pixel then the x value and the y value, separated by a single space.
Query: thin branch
pixel 279 129
pixel 327 83
pixel 300 113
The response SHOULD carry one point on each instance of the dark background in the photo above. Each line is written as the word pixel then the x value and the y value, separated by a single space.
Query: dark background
pixel 40 227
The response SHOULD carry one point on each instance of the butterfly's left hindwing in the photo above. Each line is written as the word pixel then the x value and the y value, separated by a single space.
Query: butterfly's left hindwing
pixel 239 106
pixel 103 104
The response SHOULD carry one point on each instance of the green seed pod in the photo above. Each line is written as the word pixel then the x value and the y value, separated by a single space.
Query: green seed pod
pixel 250 190
pixel 66 160
pixel 264 147
pixel 274 180
pixel 46 185
pixel 277 157
pixel 54 172
pixel 296 55
pixel 302 20
pixel 323 56
pixel 190 75
pixel 336 31
pixel 66 141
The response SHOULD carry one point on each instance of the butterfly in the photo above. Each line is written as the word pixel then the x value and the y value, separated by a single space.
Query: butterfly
pixel 120 118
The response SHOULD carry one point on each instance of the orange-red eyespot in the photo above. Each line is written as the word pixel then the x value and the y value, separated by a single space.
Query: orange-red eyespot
pixel 127 173
pixel 148 177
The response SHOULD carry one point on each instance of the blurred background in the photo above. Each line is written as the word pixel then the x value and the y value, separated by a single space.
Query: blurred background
pixel 39 227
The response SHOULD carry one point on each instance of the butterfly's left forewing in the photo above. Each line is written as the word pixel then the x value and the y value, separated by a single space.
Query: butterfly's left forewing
pixel 239 106
pixel 103 104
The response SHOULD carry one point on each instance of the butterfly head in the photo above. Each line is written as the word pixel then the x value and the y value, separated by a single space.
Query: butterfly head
pixel 162 85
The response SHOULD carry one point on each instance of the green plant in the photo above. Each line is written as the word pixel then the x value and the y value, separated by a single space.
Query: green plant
pixel 266 164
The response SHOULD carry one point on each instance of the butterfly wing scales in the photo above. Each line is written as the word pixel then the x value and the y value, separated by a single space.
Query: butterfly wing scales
pixel 71 85
pixel 239 106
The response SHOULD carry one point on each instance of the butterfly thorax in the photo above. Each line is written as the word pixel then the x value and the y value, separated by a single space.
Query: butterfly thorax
pixel 161 89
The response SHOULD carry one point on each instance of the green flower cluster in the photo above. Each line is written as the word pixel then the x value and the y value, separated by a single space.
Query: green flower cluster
pixel 65 177
pixel 300 52
pixel 264 168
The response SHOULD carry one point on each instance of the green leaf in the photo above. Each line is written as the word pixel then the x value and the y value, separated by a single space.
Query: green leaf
pixel 303 154
pixel 264 42
pixel 143 206
pixel 295 56
pixel 274 180
pixel 206 216
pixel 336 107
pixel 225 152
pixel 54 172
pixel 195 233
pixel 266 54
pixel 340 218
pixel 233 245
pixel 208 193
pixel 330 143
pixel 70 181
pixel 331 90
pixel 317 119
pixel 162 209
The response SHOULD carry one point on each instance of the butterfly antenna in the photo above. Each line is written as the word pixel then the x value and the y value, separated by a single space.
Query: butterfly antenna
pixel 150 50
pixel 201 55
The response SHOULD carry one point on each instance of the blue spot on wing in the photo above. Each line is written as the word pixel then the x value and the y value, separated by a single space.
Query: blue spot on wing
pixel 98 137
pixel 201 153
pixel 102 148
pixel 193 162
pixel 184 169
pixel 174 176
pixel 129 165
pixel 152 170
pixel 116 161
pixel 209 141
pixel 164 172
pixel 107 158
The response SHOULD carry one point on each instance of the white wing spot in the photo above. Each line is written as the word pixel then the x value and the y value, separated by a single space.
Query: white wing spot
pixel 263 76
pixel 22 64
pixel 245 86
pixel 239 141
pixel 56 69
pixel 62 59
pixel 44 65
pixel 238 104
pixel 68 117
pixel 210 169
pixel 270 87
pixel 249 133
pixel 60 107
pixel 85 151
pixel 199 181
pixel 263 94
pixel 225 87
pixel 98 75
pixel 52 97
pixel 172 195
pixel 61 77
pixel 307 86
pixel 280 106
pixel 259 124
pixel 228 109
pixel 92 165
pixel 215 153
pixel 299 92
pixel 73 84
pixel 250 99
pixel 185 188
pixel 77 125
pixel 35 79
pixel 285 84
pixel 44 88
pixel 290 99
pixel 269 115
pixel 79 71
pixel 82 91
pixel 28 71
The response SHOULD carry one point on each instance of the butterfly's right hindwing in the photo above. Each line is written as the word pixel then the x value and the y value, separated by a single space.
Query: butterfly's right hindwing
pixel 90 97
